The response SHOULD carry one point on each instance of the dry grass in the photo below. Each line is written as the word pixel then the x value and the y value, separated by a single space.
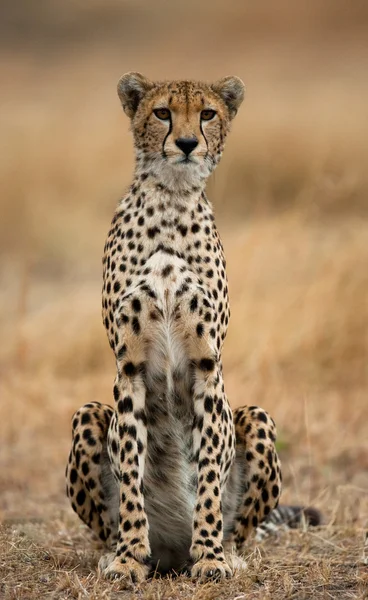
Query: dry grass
pixel 291 199
pixel 52 561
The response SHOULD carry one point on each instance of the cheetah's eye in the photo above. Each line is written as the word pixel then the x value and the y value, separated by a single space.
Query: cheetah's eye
pixel 207 115
pixel 162 113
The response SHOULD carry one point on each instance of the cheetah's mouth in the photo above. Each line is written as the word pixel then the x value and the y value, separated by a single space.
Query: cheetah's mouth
pixel 186 160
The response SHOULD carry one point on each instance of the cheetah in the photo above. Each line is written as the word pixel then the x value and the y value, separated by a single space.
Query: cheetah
pixel 172 479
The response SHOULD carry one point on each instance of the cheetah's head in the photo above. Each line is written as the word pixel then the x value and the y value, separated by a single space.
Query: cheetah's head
pixel 180 127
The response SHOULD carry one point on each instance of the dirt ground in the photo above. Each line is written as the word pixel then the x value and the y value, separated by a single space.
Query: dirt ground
pixel 292 208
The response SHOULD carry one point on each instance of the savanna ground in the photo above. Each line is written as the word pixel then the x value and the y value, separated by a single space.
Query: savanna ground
pixel 292 208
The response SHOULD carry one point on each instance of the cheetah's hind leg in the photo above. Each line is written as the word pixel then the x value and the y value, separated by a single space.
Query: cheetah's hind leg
pixel 90 484
pixel 260 474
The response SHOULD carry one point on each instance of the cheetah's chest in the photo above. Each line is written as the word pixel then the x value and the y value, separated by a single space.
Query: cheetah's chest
pixel 170 476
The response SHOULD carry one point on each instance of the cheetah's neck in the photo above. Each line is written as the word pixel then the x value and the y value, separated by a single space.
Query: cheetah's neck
pixel 179 181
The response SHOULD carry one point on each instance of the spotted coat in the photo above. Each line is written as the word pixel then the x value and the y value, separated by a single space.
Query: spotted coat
pixel 171 476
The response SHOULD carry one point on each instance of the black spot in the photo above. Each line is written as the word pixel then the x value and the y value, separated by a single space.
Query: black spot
pixel 116 392
pixel 129 369
pixel 81 497
pixel 136 305
pixel 260 448
pixel 193 303
pixel 134 541
pixel 210 519
pixel 85 468
pixel 261 434
pixel 207 364
pixel 208 404
pixel 73 476
pixel 208 503
pixel 136 326
pixel 265 495
pixel 183 230
pixel 132 430
pixel 126 405
pixel 211 476
pixel 200 330
pixel 126 478
pixel 121 351
pixel 219 406
pixel 262 417
pixel 127 525
pixel 152 231
pixel 128 446
pixel 275 491
pixel 117 287
pixel 86 418
pixel 88 436
pixel 195 228
pixel 130 506
pixel 96 458
pixel 167 270
pixel 244 521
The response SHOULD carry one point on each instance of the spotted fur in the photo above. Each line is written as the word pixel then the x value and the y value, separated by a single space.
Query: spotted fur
pixel 171 476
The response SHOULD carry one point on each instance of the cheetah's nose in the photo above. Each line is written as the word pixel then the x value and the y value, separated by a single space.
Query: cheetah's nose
pixel 187 144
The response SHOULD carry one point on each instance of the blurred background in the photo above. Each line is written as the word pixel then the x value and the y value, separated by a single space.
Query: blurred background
pixel 291 203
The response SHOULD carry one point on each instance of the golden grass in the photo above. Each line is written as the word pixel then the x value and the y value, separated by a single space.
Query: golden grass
pixel 291 200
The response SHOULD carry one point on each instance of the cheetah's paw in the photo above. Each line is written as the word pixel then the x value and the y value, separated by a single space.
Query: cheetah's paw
pixel 210 570
pixel 129 571
pixel 105 561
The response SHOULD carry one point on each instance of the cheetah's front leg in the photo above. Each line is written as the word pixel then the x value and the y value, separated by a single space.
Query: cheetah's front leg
pixel 132 553
pixel 212 429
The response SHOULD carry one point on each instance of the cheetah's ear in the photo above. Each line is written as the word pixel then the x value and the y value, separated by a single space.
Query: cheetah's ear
pixel 231 90
pixel 131 89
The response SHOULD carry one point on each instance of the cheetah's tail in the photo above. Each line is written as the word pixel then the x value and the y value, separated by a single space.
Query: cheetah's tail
pixel 288 517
